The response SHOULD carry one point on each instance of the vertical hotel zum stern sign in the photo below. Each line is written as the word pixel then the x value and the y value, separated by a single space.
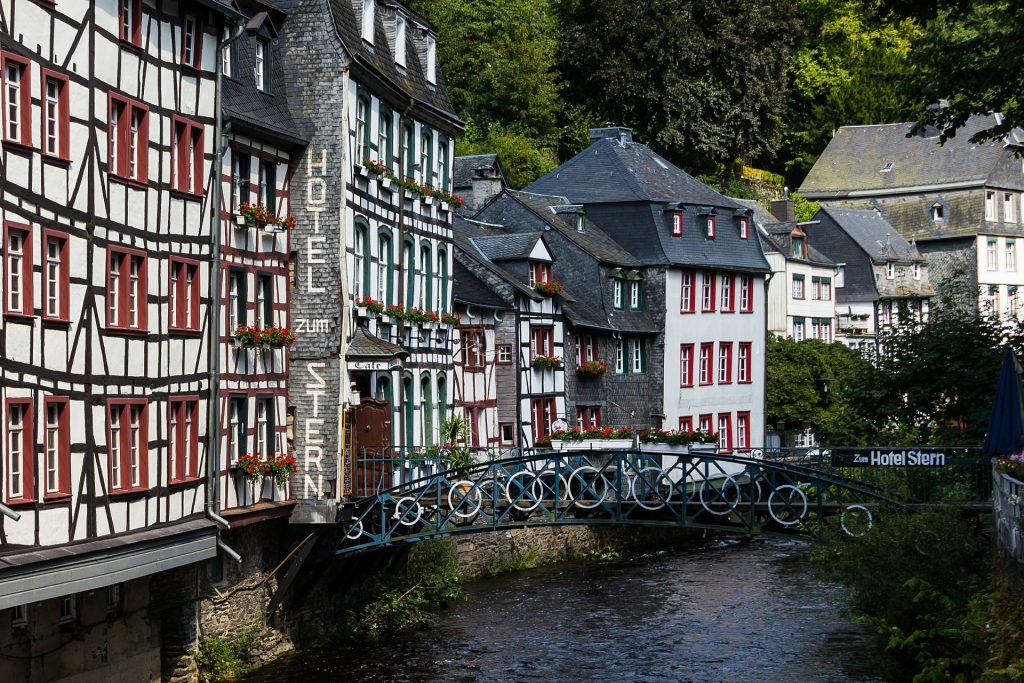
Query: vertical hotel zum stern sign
pixel 880 457
pixel 315 377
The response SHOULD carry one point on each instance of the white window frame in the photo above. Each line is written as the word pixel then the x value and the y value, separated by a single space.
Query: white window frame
pixel 990 205
pixel 620 353
pixel 260 66
pixel 634 295
pixel 1011 254
pixel 16 450
pixel 16 269
pixel 400 40
pixel 636 355
pixel 367 21
pixel 14 76
pixel 1008 204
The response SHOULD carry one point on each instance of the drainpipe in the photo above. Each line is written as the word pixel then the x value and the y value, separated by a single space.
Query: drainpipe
pixel 8 512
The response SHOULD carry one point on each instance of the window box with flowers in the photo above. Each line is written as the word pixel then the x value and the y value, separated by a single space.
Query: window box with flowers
pixel 450 319
pixel 277 470
pixel 370 305
pixel 261 217
pixel 248 336
pixel 598 438
pixel 247 472
pixel 591 368
pixel 547 362
pixel 656 440
pixel 548 288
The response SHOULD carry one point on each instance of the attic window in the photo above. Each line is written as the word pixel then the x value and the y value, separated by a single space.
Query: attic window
pixel 711 227
pixel 367 28
pixel 431 59
pixel 677 223
pixel 887 167
pixel 744 228
pixel 938 212
pixel 400 40
pixel 581 222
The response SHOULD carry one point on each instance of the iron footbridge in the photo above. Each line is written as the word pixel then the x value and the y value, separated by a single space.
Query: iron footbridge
pixel 415 498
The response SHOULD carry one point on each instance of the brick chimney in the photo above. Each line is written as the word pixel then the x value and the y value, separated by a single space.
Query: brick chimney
pixel 784 210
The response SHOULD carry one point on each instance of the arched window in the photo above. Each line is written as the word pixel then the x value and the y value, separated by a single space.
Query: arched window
pixel 442 398
pixel 427 406
pixel 410 273
pixel 409 410
pixel 362 129
pixel 361 259
pixel 385 266
pixel 442 285
pixel 384 137
pixel 426 278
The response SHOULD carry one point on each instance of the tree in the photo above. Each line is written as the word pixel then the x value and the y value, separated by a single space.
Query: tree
pixel 702 82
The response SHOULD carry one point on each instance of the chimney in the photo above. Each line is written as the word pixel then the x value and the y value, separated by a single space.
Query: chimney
pixel 624 135
pixel 784 210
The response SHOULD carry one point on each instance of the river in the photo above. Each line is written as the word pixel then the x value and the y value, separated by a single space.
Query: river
pixel 723 611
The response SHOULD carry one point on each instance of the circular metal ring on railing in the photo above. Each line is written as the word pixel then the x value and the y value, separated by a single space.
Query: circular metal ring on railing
pixel 587 486
pixel 356 531
pixel 787 504
pixel 727 484
pixel 859 517
pixel 756 454
pixel 403 513
pixel 653 485
pixel 470 497
pixel 529 492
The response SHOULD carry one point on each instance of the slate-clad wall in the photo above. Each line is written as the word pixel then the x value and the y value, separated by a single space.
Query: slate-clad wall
pixel 955 260
pixel 316 74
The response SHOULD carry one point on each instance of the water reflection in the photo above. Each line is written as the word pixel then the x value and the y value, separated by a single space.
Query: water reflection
pixel 728 611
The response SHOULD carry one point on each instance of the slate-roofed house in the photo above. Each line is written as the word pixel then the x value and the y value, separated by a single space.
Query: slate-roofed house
pixel 959 202
pixel 801 292
pixel 364 87
pixel 509 378
pixel 704 272
pixel 477 178
pixel 885 280
pixel 608 376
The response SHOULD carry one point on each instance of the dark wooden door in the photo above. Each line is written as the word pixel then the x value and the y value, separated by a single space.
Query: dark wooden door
pixel 372 443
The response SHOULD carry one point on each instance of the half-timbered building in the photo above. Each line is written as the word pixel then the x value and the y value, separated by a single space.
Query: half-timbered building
pixel 105 202
pixel 372 221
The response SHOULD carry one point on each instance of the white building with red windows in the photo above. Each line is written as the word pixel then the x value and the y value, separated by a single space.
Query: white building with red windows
pixel 704 268
pixel 105 201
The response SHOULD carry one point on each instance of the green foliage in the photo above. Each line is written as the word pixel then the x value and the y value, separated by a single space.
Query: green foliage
pixel 407 600
pixel 220 660
pixel 521 158
pixel 921 581
pixel 804 208
pixel 702 83
pixel 518 561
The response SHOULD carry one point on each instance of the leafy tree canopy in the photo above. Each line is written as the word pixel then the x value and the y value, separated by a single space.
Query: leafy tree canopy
pixel 701 82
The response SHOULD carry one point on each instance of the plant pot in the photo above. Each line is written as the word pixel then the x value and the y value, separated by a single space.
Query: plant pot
pixel 362 170
pixel 386 183
pixel 245 489
pixel 427 201
pixel 239 220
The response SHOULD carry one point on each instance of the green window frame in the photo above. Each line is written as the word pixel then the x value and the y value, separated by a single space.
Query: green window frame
pixel 410 272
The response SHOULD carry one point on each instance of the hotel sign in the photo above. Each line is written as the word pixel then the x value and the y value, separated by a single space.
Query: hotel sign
pixel 877 457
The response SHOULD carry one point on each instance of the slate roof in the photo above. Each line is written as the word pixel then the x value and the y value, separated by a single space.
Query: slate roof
pixel 507 247
pixel 465 234
pixel 610 172
pixel 762 216
pixel 378 61
pixel 464 167
pixel 854 159
pixel 469 289
pixel 248 109
pixel 365 345
pixel 778 237
pixel 872 233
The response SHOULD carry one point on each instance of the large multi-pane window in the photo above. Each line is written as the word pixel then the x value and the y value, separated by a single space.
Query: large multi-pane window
pixel 686 297
pixel 18 271
pixel 708 292
pixel 238 427
pixel 187 166
pixel 384 137
pixel 56 121
pixel 17 99
pixel 266 438
pixel 544 411
pixel 56 280
pixel 426 158
pixel 128 139
pixel 236 313
pixel 126 289
pixel 20 460
pixel 268 184
pixel 385 264
pixel 183 439
pixel 707 352
pixel 686 365
pixel 130 19
pixel 362 129
pixel 263 65
pixel 56 447
pixel 127 444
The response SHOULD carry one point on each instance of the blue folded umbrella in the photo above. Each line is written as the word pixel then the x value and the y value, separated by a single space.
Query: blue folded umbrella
pixel 1006 427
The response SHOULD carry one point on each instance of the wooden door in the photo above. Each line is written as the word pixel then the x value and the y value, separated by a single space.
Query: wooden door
pixel 372 443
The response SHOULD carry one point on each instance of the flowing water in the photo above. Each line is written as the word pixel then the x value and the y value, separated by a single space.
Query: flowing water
pixel 726 611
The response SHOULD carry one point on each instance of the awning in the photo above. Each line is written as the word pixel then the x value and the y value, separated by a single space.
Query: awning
pixel 367 352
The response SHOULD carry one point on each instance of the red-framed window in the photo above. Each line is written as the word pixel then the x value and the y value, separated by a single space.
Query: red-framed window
pixel 588 417
pixel 56 472
pixel 127 289
pixel 707 292
pixel 744 227
pixel 724 432
pixel 191 40
pixel 707 358
pixel 17 270
pixel 677 223
pixel 743 431
pixel 17 99
pixel 586 349
pixel 128 139
pixel 127 444
pixel 711 227
pixel 56 277
pixel 542 340
pixel 183 295
pixel 687 300
pixel 728 294
pixel 55 121
pixel 130 20
pixel 472 348
pixel 183 438
pixel 540 272
pixel 704 423
pixel 19 451
pixel 187 160
pixel 544 411
pixel 744 363
pixel 725 363
pixel 686 424
pixel 746 294
pixel 686 365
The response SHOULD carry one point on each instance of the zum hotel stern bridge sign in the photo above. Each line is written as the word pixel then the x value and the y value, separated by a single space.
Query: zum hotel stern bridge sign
pixel 876 457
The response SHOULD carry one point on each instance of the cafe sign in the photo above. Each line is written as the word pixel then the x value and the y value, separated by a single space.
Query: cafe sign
pixel 880 457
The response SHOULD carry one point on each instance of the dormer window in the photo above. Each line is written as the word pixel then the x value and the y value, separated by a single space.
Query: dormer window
pixel 890 270
pixel 744 228
pixel 540 272
pixel 367 28
pixel 938 212
pixel 263 65
pixel 400 40
pixel 887 168
pixel 431 44
pixel 799 247
pixel 677 223
pixel 711 227
pixel 581 222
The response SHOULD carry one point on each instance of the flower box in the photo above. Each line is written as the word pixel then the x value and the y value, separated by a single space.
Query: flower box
pixel 272 228
pixel 445 206
pixel 363 171
pixel 592 445
pixel 239 220
pixel 427 200
pixel 548 288
pixel 386 184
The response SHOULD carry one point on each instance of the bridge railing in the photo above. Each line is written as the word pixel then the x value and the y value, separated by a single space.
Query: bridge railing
pixel 965 476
